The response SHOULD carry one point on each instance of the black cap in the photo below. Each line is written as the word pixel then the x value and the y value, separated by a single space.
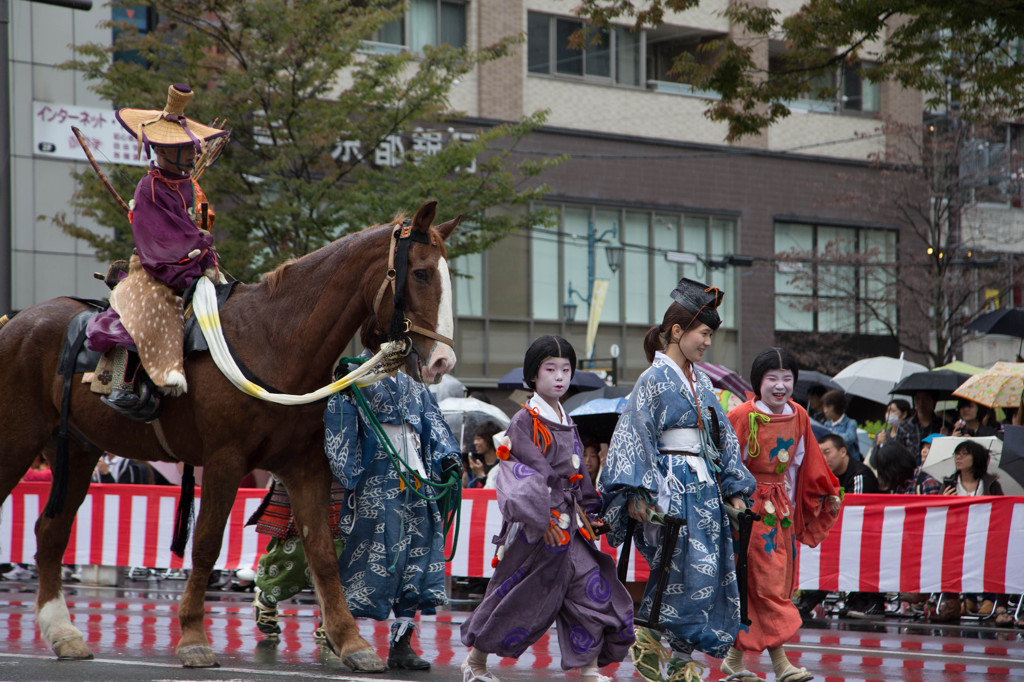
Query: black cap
pixel 699 299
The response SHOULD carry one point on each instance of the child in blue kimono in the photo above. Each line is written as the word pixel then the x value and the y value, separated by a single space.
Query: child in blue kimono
pixel 548 567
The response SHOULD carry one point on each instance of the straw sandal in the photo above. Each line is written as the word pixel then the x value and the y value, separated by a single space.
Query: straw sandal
pixel 469 676
pixel 741 675
pixel 648 655
pixel 794 674
pixel 688 671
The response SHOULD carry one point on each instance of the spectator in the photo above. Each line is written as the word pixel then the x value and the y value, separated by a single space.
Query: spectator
pixel 854 477
pixel 814 395
pixel 924 423
pixel 484 458
pixel 833 406
pixel 113 469
pixel 896 412
pixel 900 474
pixel 971 477
pixel 39 471
pixel 926 445
pixel 974 420
pixel 592 459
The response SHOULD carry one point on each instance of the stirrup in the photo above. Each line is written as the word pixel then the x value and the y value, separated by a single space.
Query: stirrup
pixel 144 407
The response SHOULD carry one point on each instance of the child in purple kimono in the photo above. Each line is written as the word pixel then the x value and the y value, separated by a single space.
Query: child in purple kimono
pixel 548 568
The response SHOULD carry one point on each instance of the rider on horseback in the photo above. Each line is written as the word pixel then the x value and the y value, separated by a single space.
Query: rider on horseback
pixel 171 224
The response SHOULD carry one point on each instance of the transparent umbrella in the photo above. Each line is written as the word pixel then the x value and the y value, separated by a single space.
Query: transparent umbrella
pixel 465 415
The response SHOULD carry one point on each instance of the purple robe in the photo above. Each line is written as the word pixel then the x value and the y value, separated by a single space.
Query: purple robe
pixel 534 585
pixel 164 235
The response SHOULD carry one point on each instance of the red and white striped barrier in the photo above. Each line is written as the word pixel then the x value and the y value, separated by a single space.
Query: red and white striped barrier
pixel 908 543
pixel 920 543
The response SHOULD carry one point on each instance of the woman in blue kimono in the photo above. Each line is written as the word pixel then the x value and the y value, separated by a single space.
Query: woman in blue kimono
pixel 394 545
pixel 674 451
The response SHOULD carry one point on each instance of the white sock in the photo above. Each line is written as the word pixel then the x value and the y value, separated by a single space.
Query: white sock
pixel 477 661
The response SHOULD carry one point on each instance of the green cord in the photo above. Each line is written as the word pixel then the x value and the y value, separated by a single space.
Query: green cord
pixel 449 499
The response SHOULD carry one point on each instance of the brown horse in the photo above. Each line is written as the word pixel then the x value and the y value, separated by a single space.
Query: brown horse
pixel 290 330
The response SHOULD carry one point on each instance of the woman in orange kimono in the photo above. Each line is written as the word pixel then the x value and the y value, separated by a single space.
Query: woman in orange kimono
pixel 797 498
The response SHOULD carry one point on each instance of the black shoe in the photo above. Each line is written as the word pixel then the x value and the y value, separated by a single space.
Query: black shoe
pixel 401 655
pixel 141 408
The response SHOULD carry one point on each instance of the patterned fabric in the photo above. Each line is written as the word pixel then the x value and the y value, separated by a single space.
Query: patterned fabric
pixel 283 572
pixel 534 585
pixel 793 487
pixel 919 484
pixel 277 521
pixel 394 551
pixel 700 607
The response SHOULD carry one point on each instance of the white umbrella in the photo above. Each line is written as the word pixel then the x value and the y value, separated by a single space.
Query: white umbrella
pixel 874 378
pixel 448 387
pixel 940 461
pixel 465 415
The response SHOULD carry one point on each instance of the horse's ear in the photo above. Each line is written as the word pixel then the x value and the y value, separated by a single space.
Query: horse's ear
pixel 446 228
pixel 425 216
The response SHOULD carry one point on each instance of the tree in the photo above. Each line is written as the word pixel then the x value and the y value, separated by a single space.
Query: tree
pixel 326 137
pixel 967 52
pixel 924 291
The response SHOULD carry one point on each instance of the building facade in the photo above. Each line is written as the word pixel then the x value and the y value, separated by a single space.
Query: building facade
pixel 646 171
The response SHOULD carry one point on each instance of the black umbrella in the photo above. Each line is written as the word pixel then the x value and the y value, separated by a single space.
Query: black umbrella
pixel 941 381
pixel 581 381
pixel 809 378
pixel 1008 321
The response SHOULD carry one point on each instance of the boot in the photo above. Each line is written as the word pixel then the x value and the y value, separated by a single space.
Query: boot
pixel 401 655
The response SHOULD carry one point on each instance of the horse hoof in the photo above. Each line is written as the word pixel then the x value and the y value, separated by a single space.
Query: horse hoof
pixel 73 648
pixel 364 661
pixel 197 656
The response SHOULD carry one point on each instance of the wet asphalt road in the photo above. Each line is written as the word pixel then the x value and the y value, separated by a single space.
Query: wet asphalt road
pixel 132 631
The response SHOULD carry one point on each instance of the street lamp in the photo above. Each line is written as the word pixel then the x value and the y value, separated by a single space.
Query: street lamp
pixel 613 253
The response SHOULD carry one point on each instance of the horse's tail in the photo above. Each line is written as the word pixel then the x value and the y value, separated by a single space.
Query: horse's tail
pixel 183 519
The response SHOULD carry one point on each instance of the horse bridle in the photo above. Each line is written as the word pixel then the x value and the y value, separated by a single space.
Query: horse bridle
pixel 395 277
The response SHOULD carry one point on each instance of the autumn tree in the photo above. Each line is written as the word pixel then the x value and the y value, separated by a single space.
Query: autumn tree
pixel 925 290
pixel 327 136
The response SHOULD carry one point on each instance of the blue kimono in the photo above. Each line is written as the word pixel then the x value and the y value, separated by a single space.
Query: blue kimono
pixel 394 550
pixel 700 607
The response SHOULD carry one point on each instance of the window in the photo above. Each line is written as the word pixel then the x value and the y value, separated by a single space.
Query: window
pixel 638 291
pixel 612 56
pixel 846 88
pixel 859 93
pixel 467 279
pixel 426 22
pixel 144 18
pixel 835 279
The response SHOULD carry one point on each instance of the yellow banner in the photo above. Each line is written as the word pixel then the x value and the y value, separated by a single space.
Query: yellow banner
pixel 597 297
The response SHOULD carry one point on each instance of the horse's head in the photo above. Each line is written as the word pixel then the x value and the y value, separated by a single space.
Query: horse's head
pixel 415 298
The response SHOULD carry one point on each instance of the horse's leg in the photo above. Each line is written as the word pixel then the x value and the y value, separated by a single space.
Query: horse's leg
pixel 220 486
pixel 52 540
pixel 309 490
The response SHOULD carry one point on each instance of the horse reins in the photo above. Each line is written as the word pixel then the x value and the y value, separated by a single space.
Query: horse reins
pixel 395 278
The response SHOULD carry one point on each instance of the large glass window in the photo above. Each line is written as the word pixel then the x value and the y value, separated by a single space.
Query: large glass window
pixel 143 17
pixel 613 56
pixel 426 22
pixel 467 279
pixel 636 267
pixel 835 278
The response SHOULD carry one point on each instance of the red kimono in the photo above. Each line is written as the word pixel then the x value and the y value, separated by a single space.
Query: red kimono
pixel 776 448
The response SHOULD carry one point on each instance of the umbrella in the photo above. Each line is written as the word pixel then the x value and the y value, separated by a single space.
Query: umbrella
pixel 962 367
pixel 579 399
pixel 1005 460
pixel 465 415
pixel 999 386
pixel 723 377
pixel 581 381
pixel 937 380
pixel 448 387
pixel 874 378
pixel 596 418
pixel 808 378
pixel 1008 321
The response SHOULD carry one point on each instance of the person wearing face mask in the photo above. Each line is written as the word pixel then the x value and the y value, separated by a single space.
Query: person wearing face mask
pixel 797 498
pixel 674 451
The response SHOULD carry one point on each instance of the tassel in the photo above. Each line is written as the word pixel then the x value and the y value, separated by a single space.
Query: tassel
pixel 183 518
pixel 541 434
pixel 575 478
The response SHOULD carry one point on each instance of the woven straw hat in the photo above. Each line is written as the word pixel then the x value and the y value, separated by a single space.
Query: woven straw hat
pixel 168 127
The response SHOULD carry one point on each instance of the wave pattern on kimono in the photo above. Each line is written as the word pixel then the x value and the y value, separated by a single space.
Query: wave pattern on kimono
pixel 394 550
pixel 534 584
pixel 700 607
pixel 793 485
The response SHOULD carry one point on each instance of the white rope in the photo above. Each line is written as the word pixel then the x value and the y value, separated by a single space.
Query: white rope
pixel 204 306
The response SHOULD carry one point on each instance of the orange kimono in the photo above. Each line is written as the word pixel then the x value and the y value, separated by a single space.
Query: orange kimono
pixel 793 488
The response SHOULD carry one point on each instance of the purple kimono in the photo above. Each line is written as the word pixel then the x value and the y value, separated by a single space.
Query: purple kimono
pixel 164 235
pixel 535 585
